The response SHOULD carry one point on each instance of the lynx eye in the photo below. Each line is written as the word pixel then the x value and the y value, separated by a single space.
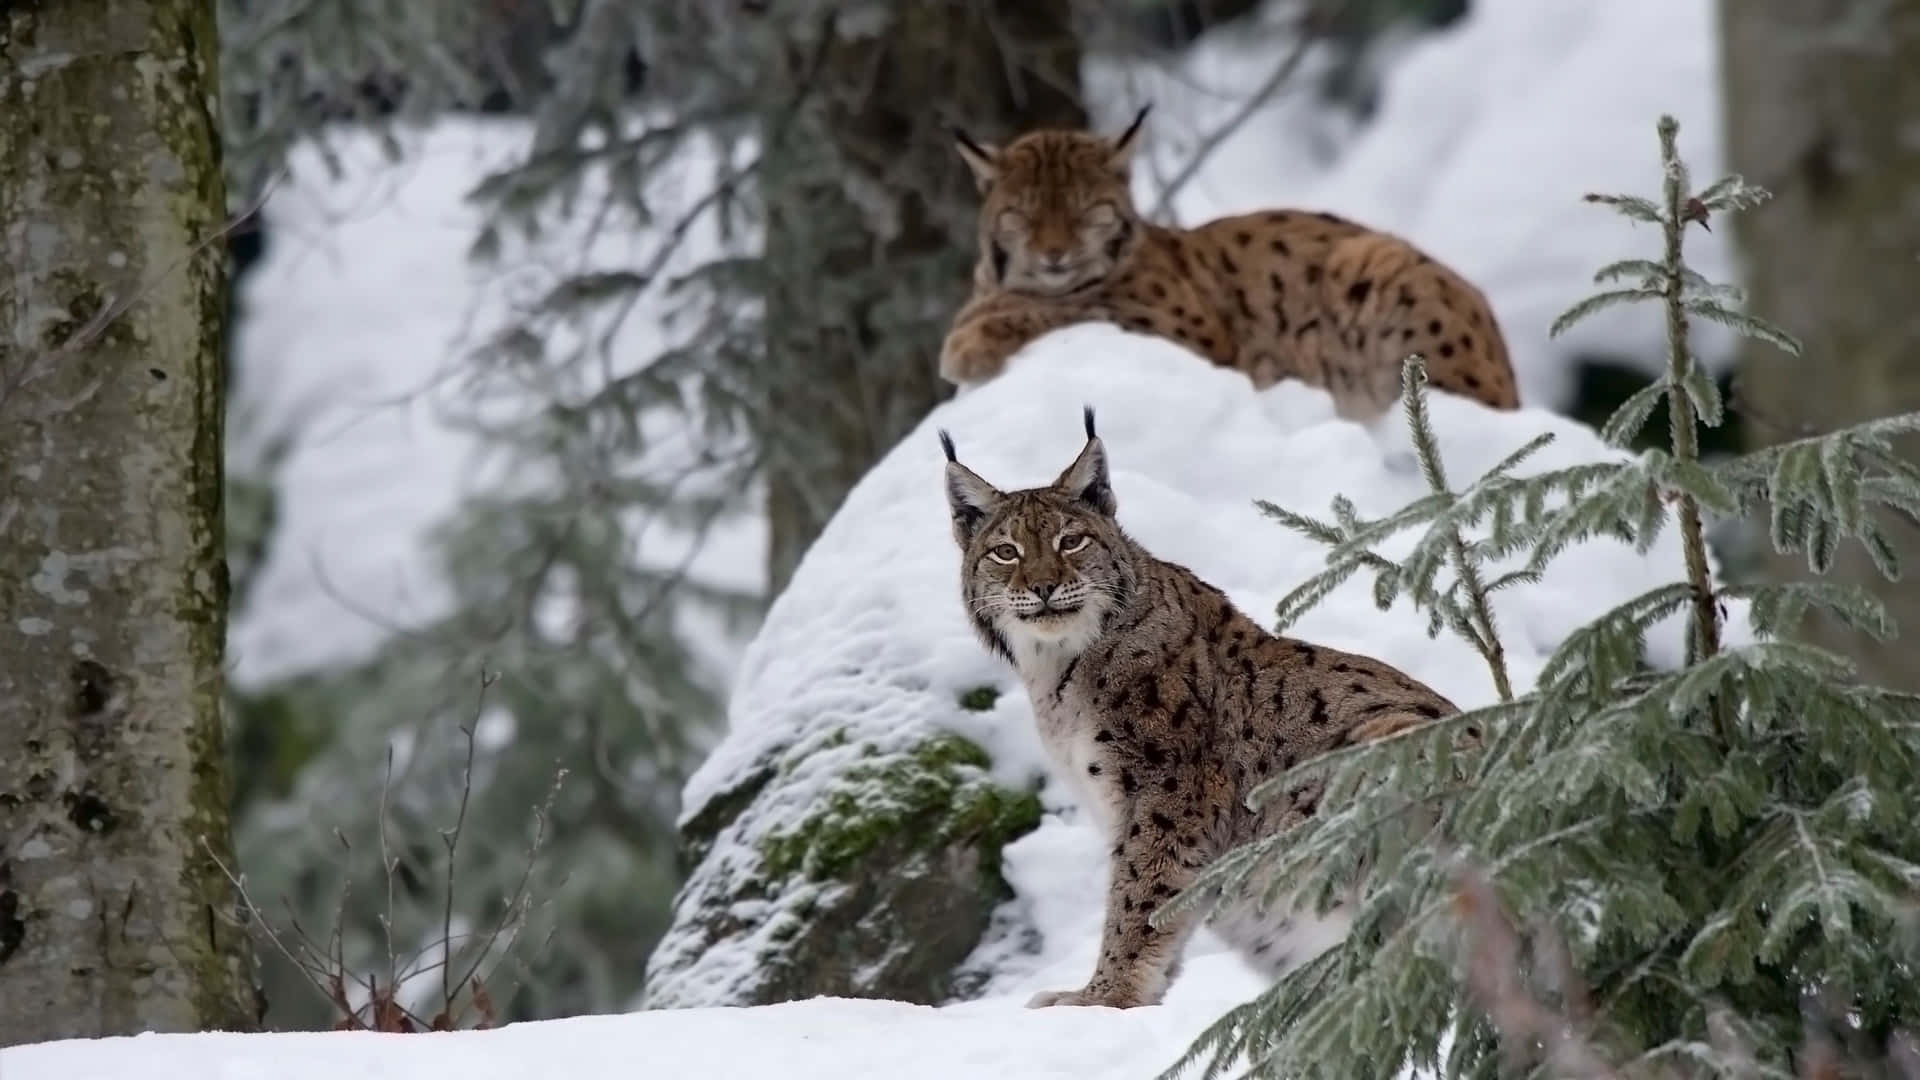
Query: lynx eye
pixel 1004 553
pixel 1072 542
pixel 1010 222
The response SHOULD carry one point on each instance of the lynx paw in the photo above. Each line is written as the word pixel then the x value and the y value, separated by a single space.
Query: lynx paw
pixel 967 358
pixel 1046 999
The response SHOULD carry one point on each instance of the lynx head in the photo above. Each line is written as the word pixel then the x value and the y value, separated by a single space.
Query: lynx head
pixel 1044 567
pixel 1056 215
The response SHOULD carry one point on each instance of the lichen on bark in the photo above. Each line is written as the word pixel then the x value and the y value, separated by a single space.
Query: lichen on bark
pixel 114 917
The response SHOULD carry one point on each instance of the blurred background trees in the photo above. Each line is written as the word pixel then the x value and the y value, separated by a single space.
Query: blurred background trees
pixel 1821 99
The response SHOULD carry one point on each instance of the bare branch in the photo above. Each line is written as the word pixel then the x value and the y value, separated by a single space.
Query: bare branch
pixel 1283 71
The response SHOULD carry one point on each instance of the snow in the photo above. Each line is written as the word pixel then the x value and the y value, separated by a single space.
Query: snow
pixel 1487 135
pixel 821 1039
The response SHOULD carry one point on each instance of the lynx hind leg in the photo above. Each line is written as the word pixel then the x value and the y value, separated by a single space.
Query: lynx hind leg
pixel 1396 301
pixel 1276 936
pixel 1274 939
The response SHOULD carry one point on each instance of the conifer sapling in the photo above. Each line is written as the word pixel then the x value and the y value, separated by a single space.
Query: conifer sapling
pixel 1696 854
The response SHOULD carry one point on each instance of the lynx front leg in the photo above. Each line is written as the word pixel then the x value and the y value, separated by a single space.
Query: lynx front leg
pixel 1153 863
pixel 991 328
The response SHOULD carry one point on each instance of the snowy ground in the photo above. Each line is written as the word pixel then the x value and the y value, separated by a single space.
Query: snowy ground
pixel 821 1039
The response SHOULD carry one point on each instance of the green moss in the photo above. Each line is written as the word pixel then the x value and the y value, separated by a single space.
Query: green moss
pixel 937 794
pixel 979 699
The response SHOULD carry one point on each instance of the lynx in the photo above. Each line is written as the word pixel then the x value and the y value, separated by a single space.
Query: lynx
pixel 1160 706
pixel 1278 294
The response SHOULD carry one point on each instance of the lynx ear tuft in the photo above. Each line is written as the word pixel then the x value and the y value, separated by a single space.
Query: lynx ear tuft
pixel 1121 154
pixel 983 159
pixel 1086 479
pixel 970 499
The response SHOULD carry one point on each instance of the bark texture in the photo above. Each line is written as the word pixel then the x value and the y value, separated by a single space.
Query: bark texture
pixel 853 336
pixel 1823 108
pixel 113 917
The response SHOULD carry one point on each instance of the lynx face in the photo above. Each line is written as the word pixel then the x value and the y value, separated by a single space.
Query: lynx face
pixel 1057 215
pixel 1043 567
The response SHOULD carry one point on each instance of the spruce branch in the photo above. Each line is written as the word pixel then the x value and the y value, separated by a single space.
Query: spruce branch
pixel 1479 629
pixel 1515 507
pixel 1705 635
pixel 1707 840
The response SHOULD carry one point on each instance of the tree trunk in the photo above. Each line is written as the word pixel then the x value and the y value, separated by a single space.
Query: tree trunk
pixel 870 217
pixel 114 918
pixel 1821 97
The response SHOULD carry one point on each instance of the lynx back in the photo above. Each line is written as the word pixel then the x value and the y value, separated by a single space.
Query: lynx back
pixel 1276 294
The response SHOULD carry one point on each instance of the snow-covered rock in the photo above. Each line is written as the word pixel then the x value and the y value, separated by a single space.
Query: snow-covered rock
pixel 867 658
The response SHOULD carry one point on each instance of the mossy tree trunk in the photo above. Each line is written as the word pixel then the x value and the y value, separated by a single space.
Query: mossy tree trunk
pixel 113 916
pixel 869 238
pixel 1821 100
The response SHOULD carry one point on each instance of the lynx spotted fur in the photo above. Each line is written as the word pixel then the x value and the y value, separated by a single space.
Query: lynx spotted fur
pixel 1160 705
pixel 1277 294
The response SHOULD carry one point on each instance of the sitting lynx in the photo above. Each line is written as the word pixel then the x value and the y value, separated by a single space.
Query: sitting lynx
pixel 1274 294
pixel 1160 705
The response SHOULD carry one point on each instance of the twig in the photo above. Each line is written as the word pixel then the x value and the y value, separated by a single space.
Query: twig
pixel 517 898
pixel 1486 639
pixel 387 864
pixel 258 918
pixel 1703 640
pixel 452 839
pixel 1686 447
pixel 1163 203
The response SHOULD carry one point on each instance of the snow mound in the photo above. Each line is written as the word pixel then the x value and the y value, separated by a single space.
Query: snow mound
pixel 868 651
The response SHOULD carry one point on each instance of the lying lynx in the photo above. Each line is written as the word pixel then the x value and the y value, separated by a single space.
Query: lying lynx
pixel 1160 705
pixel 1274 294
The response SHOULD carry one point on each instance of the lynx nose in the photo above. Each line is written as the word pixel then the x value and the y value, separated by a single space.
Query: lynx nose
pixel 1055 261
pixel 1044 592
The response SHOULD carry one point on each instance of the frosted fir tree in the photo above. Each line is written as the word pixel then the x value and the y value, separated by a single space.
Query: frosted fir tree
pixel 1619 872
